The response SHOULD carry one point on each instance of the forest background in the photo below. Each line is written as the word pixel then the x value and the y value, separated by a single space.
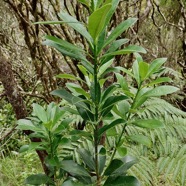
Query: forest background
pixel 160 29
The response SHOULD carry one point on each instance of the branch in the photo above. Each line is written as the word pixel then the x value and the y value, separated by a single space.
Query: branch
pixel 164 18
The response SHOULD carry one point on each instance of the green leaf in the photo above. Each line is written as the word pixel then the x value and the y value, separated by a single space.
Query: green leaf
pixel 148 123
pixel 24 148
pixel 128 50
pixel 119 30
pixel 81 133
pixel 77 90
pixel 76 25
pixel 122 181
pixel 114 4
pixel 40 112
pixel 50 22
pixel 110 70
pixel 35 146
pixel 143 70
pixel 57 129
pixel 123 107
pixel 115 164
pixel 109 91
pixel 135 70
pixel 24 124
pixel 127 163
pixel 120 166
pixel 122 82
pixel 104 67
pixel 114 46
pixel 73 168
pixel 109 103
pixel 161 91
pixel 112 132
pixel 160 80
pixel 85 2
pixel 112 124
pixel 122 151
pixel 125 71
pixel 65 142
pixel 62 93
pixel 95 92
pixel 155 65
pixel 101 158
pixel 67 76
pixel 65 47
pixel 88 66
pixel 85 114
pixel 37 179
pixel 97 20
pixel 71 183
pixel 87 158
pixel 139 138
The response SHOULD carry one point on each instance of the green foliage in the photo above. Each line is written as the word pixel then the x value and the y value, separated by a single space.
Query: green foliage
pixel 16 167
pixel 106 111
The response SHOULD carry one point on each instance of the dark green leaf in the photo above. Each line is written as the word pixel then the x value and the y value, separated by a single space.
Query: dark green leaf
pixel 65 141
pixel 119 30
pixel 73 168
pixel 95 92
pixel 71 183
pixel 85 114
pixel 109 91
pixel 62 93
pixel 127 162
pixel 122 181
pixel 109 103
pixel 114 46
pixel 101 158
pixel 115 164
pixel 65 47
pixel 77 90
pixel 81 134
pixel 112 124
pixel 128 50
pixel 37 179
pixel 76 25
pixel 88 66
pixel 87 158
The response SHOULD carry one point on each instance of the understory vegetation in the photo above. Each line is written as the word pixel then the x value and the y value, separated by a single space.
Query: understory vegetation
pixel 94 94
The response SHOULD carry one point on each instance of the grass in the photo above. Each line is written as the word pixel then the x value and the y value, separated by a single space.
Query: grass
pixel 16 167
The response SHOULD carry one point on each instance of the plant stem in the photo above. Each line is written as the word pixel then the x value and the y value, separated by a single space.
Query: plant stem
pixel 96 104
pixel 125 125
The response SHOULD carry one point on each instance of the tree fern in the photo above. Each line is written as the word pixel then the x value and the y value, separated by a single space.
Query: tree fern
pixel 167 156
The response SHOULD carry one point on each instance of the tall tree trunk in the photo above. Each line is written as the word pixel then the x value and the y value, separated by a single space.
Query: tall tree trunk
pixel 16 100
